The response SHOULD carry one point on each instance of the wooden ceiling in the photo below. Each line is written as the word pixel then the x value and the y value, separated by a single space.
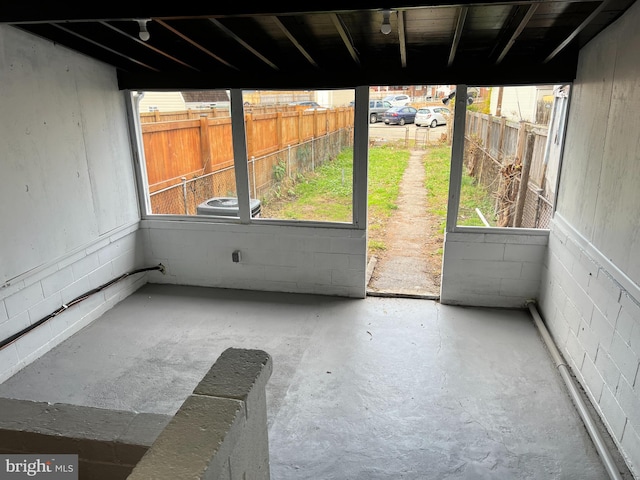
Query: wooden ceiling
pixel 324 44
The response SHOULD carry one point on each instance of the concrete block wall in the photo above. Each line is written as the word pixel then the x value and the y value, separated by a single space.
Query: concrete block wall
pixel 109 443
pixel 492 268
pixel 295 259
pixel 220 431
pixel 592 311
pixel 37 294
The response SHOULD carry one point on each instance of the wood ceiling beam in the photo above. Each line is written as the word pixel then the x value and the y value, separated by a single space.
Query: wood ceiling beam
pixel 104 47
pixel 243 43
pixel 523 23
pixel 295 41
pixel 462 16
pixel 402 39
pixel 345 36
pixel 194 43
pixel 575 33
pixel 148 45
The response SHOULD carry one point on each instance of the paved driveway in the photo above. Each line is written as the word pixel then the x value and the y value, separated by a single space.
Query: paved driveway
pixel 381 132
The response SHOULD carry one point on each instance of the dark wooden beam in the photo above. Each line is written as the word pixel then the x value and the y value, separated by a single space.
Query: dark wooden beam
pixel 402 39
pixel 238 39
pixel 516 33
pixel 575 33
pixel 104 47
pixel 148 45
pixel 462 16
pixel 295 41
pixel 345 36
pixel 194 43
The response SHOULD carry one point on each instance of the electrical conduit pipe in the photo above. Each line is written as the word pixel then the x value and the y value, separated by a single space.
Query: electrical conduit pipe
pixel 563 368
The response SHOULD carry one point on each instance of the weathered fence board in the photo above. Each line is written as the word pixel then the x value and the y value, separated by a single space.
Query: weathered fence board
pixel 501 154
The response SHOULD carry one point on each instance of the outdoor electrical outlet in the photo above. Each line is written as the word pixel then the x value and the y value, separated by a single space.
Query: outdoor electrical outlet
pixel 235 256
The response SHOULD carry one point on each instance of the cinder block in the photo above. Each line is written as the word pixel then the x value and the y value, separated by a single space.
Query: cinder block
pixel 524 253
pixel 602 328
pixel 629 401
pixel 631 446
pixel 572 315
pixel 56 282
pixel 199 438
pixel 45 308
pixel 625 358
pixel 579 298
pixel 487 269
pixel 349 278
pixel 574 351
pixel 607 368
pixel 559 249
pixel 352 246
pixel 592 378
pixel 624 327
pixel 473 251
pixel 13 326
pixel 612 413
pixel 331 260
pixel 520 287
pixel 85 266
pixel 456 285
pixel 76 289
pixel 3 312
pixel 464 237
pixel 24 299
pixel 235 373
pixel 517 238
pixel 9 362
pixel 588 339
pixel 101 275
pixel 34 342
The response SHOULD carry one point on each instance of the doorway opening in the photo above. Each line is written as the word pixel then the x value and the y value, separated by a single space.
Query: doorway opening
pixel 409 161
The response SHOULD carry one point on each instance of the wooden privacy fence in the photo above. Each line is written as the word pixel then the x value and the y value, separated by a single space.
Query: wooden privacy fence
pixel 502 155
pixel 189 161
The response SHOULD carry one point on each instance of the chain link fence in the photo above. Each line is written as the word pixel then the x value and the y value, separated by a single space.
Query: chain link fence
pixel 267 174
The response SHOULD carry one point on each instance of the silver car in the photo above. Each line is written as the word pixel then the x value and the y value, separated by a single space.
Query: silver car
pixel 432 116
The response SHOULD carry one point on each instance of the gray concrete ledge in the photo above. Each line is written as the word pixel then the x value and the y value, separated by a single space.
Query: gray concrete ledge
pixel 109 443
pixel 220 431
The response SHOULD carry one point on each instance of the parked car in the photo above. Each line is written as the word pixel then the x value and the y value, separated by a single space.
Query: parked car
pixel 432 116
pixel 399 115
pixel 310 105
pixel 377 109
pixel 398 100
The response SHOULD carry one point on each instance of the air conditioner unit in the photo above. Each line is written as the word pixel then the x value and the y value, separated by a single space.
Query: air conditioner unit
pixel 227 207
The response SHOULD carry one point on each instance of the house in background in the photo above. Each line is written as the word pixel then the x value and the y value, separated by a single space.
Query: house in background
pixel 73 217
pixel 522 103
pixel 162 102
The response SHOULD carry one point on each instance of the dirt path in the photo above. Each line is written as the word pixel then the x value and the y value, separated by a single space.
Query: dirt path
pixel 411 263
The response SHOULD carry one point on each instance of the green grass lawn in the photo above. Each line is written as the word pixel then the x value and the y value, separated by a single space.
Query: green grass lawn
pixel 472 196
pixel 326 195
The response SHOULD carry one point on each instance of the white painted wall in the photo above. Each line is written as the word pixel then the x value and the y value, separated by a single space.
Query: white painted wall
pixel 492 267
pixel 590 293
pixel 299 259
pixel 68 205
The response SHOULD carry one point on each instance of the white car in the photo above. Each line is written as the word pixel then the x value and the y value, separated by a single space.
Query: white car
pixel 397 100
pixel 432 116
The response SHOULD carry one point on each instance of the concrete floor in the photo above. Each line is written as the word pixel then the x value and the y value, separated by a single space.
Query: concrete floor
pixel 380 388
